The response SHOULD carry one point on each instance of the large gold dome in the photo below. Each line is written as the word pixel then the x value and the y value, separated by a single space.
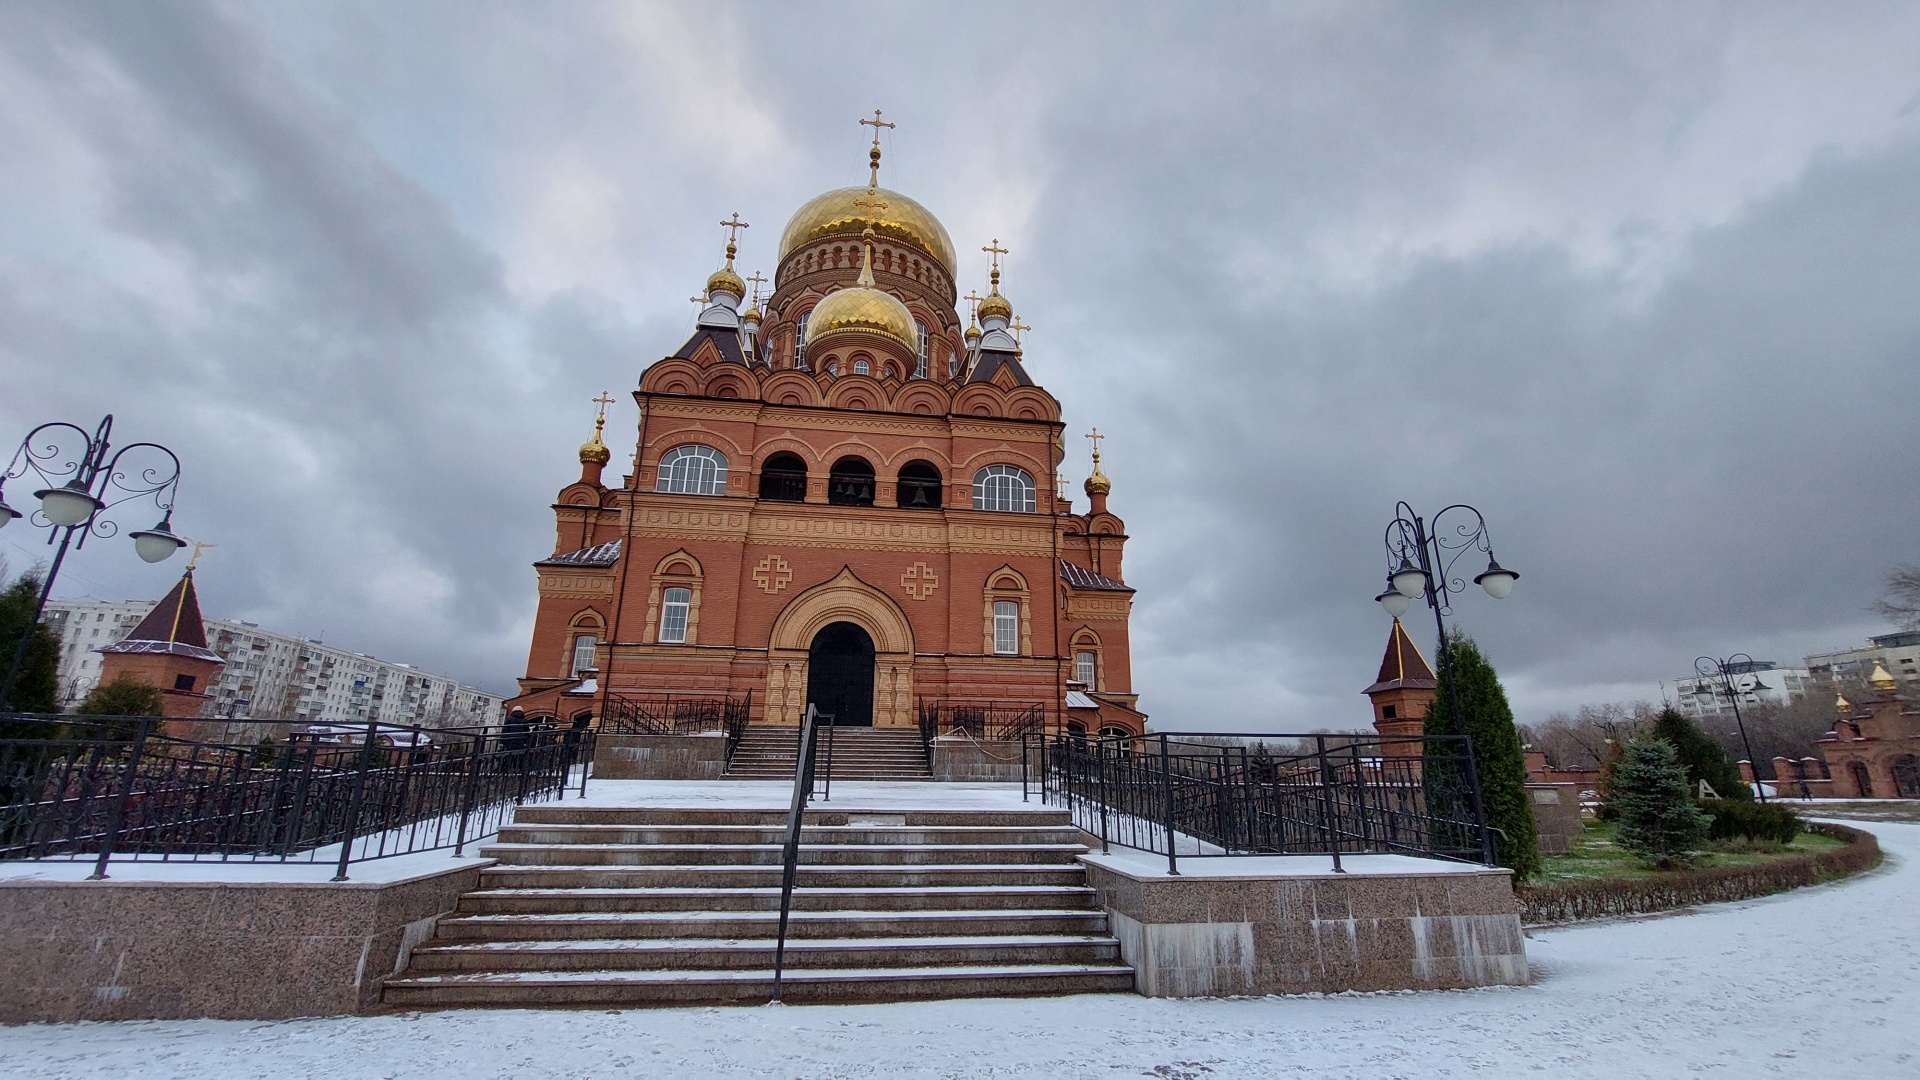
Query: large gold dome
pixel 863 308
pixel 834 214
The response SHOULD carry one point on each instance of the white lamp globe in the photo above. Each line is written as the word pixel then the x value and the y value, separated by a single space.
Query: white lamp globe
pixel 158 543
pixel 1497 580
pixel 1409 581
pixel 1395 604
pixel 7 513
pixel 67 505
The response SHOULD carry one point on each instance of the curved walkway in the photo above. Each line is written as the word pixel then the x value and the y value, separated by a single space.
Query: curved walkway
pixel 1820 982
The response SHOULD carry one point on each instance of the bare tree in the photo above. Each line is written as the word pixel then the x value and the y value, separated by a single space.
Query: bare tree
pixel 1901 602
pixel 1789 729
pixel 1579 740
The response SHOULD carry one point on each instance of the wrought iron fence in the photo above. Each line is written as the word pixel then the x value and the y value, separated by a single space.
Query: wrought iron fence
pixel 999 720
pixel 106 789
pixel 1180 797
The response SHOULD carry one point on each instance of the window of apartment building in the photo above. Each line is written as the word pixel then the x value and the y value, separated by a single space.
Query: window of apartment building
pixel 1006 627
pixel 674 605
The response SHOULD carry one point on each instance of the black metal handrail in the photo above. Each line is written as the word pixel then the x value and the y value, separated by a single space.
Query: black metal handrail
pixel 790 851
pixel 664 713
pixel 989 720
pixel 1323 794
pixel 122 788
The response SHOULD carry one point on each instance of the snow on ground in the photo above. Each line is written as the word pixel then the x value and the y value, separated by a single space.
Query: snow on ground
pixel 1819 982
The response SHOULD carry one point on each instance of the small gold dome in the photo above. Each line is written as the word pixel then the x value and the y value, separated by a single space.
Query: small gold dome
pixel 593 451
pixel 835 214
pixel 1098 484
pixel 1880 679
pixel 725 280
pixel 1841 703
pixel 863 308
pixel 993 305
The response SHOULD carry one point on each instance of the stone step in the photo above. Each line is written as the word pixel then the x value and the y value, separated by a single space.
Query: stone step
pixel 564 814
pixel 802 925
pixel 767 898
pixel 848 985
pixel 708 954
pixel 734 877
pixel 762 854
pixel 776 834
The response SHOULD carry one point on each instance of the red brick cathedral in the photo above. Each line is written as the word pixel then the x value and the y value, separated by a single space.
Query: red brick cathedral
pixel 849 499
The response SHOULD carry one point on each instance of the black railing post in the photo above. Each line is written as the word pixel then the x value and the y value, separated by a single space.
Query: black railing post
pixel 353 803
pixel 585 749
pixel 1326 803
pixel 474 760
pixel 790 853
pixel 1473 796
pixel 827 795
pixel 1100 777
pixel 1166 802
pixel 120 802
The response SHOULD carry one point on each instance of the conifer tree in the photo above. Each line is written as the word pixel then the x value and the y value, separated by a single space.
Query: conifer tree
pixel 1502 766
pixel 37 689
pixel 1701 755
pixel 1655 811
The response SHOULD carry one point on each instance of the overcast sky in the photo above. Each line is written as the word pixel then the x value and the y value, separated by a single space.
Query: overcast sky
pixel 1640 282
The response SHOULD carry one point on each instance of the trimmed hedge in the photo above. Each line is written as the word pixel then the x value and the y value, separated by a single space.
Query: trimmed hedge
pixel 1737 818
pixel 1572 901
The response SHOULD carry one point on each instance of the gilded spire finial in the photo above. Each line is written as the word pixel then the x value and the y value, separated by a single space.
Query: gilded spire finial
pixel 996 251
pixel 865 280
pixel 873 155
pixel 973 306
pixel 758 279
pixel 594 451
pixel 733 227
pixel 1097 482
pixel 198 547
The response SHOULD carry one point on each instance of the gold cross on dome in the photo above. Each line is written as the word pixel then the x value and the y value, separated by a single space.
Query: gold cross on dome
pixel 1095 436
pixel 701 299
pixel 876 124
pixel 1016 326
pixel 733 226
pixel 758 280
pixel 873 155
pixel 973 298
pixel 996 251
pixel 871 204
pixel 605 399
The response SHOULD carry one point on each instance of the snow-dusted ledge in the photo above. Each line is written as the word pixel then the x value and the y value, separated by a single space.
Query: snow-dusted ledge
pixel 235 940
pixel 1291 925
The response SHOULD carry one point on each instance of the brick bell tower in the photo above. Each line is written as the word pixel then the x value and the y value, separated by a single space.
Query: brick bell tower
pixel 169 652
pixel 850 499
pixel 1402 692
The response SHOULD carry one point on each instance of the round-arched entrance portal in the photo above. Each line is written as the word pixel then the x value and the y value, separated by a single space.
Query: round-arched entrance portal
pixel 840 665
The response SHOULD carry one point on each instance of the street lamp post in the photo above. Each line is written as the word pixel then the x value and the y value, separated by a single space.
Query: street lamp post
pixel 1420 564
pixel 1723 671
pixel 73 510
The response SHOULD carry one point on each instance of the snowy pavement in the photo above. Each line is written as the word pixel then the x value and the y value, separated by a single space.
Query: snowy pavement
pixel 1819 982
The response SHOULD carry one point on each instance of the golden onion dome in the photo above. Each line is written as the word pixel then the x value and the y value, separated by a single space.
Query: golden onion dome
pixel 1098 484
pixel 995 305
pixel 860 307
pixel 725 280
pixel 1881 679
pixel 847 211
pixel 593 451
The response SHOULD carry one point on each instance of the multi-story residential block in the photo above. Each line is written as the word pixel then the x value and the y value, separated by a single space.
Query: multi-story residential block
pixel 1757 682
pixel 273 677
pixel 1898 653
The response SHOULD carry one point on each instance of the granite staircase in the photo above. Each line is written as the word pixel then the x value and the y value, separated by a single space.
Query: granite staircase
pixel 767 752
pixel 617 907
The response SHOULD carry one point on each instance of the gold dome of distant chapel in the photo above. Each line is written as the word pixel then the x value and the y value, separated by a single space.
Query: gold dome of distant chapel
pixel 835 213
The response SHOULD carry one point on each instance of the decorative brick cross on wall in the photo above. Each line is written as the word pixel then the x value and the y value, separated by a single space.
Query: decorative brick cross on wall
pixel 919 581
pixel 772 574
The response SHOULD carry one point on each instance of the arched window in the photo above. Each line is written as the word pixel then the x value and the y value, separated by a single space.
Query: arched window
pixel 784 478
pixel 1003 487
pixel 693 470
pixel 1006 627
pixel 800 341
pixel 861 367
pixel 674 605
pixel 851 482
pixel 583 645
pixel 920 366
pixel 919 486
pixel 1085 667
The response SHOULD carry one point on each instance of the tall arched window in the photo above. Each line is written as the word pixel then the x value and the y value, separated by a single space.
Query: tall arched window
pixel 784 478
pixel 693 470
pixel 1006 627
pixel 674 605
pixel 1003 487
pixel 851 482
pixel 920 366
pixel 919 486
pixel 583 646
pixel 800 341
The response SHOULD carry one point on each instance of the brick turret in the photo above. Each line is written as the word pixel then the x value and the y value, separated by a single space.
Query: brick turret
pixel 1402 692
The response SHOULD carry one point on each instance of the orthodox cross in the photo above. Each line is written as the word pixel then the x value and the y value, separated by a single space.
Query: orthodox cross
pixel 605 399
pixel 701 299
pixel 873 156
pixel 758 280
pixel 996 250
pixel 733 226
pixel 1095 436
pixel 1016 326
pixel 973 301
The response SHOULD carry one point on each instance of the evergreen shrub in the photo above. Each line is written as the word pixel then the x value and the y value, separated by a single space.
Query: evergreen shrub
pixel 1738 819
pixel 1655 811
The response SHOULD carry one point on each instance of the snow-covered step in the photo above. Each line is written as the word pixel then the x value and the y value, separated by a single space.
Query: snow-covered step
pixel 937 898
pixel 672 987
pixel 554 926
pixel 808 876
pixel 700 954
pixel 811 854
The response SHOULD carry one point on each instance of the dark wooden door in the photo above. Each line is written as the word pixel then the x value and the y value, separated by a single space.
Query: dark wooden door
pixel 840 674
